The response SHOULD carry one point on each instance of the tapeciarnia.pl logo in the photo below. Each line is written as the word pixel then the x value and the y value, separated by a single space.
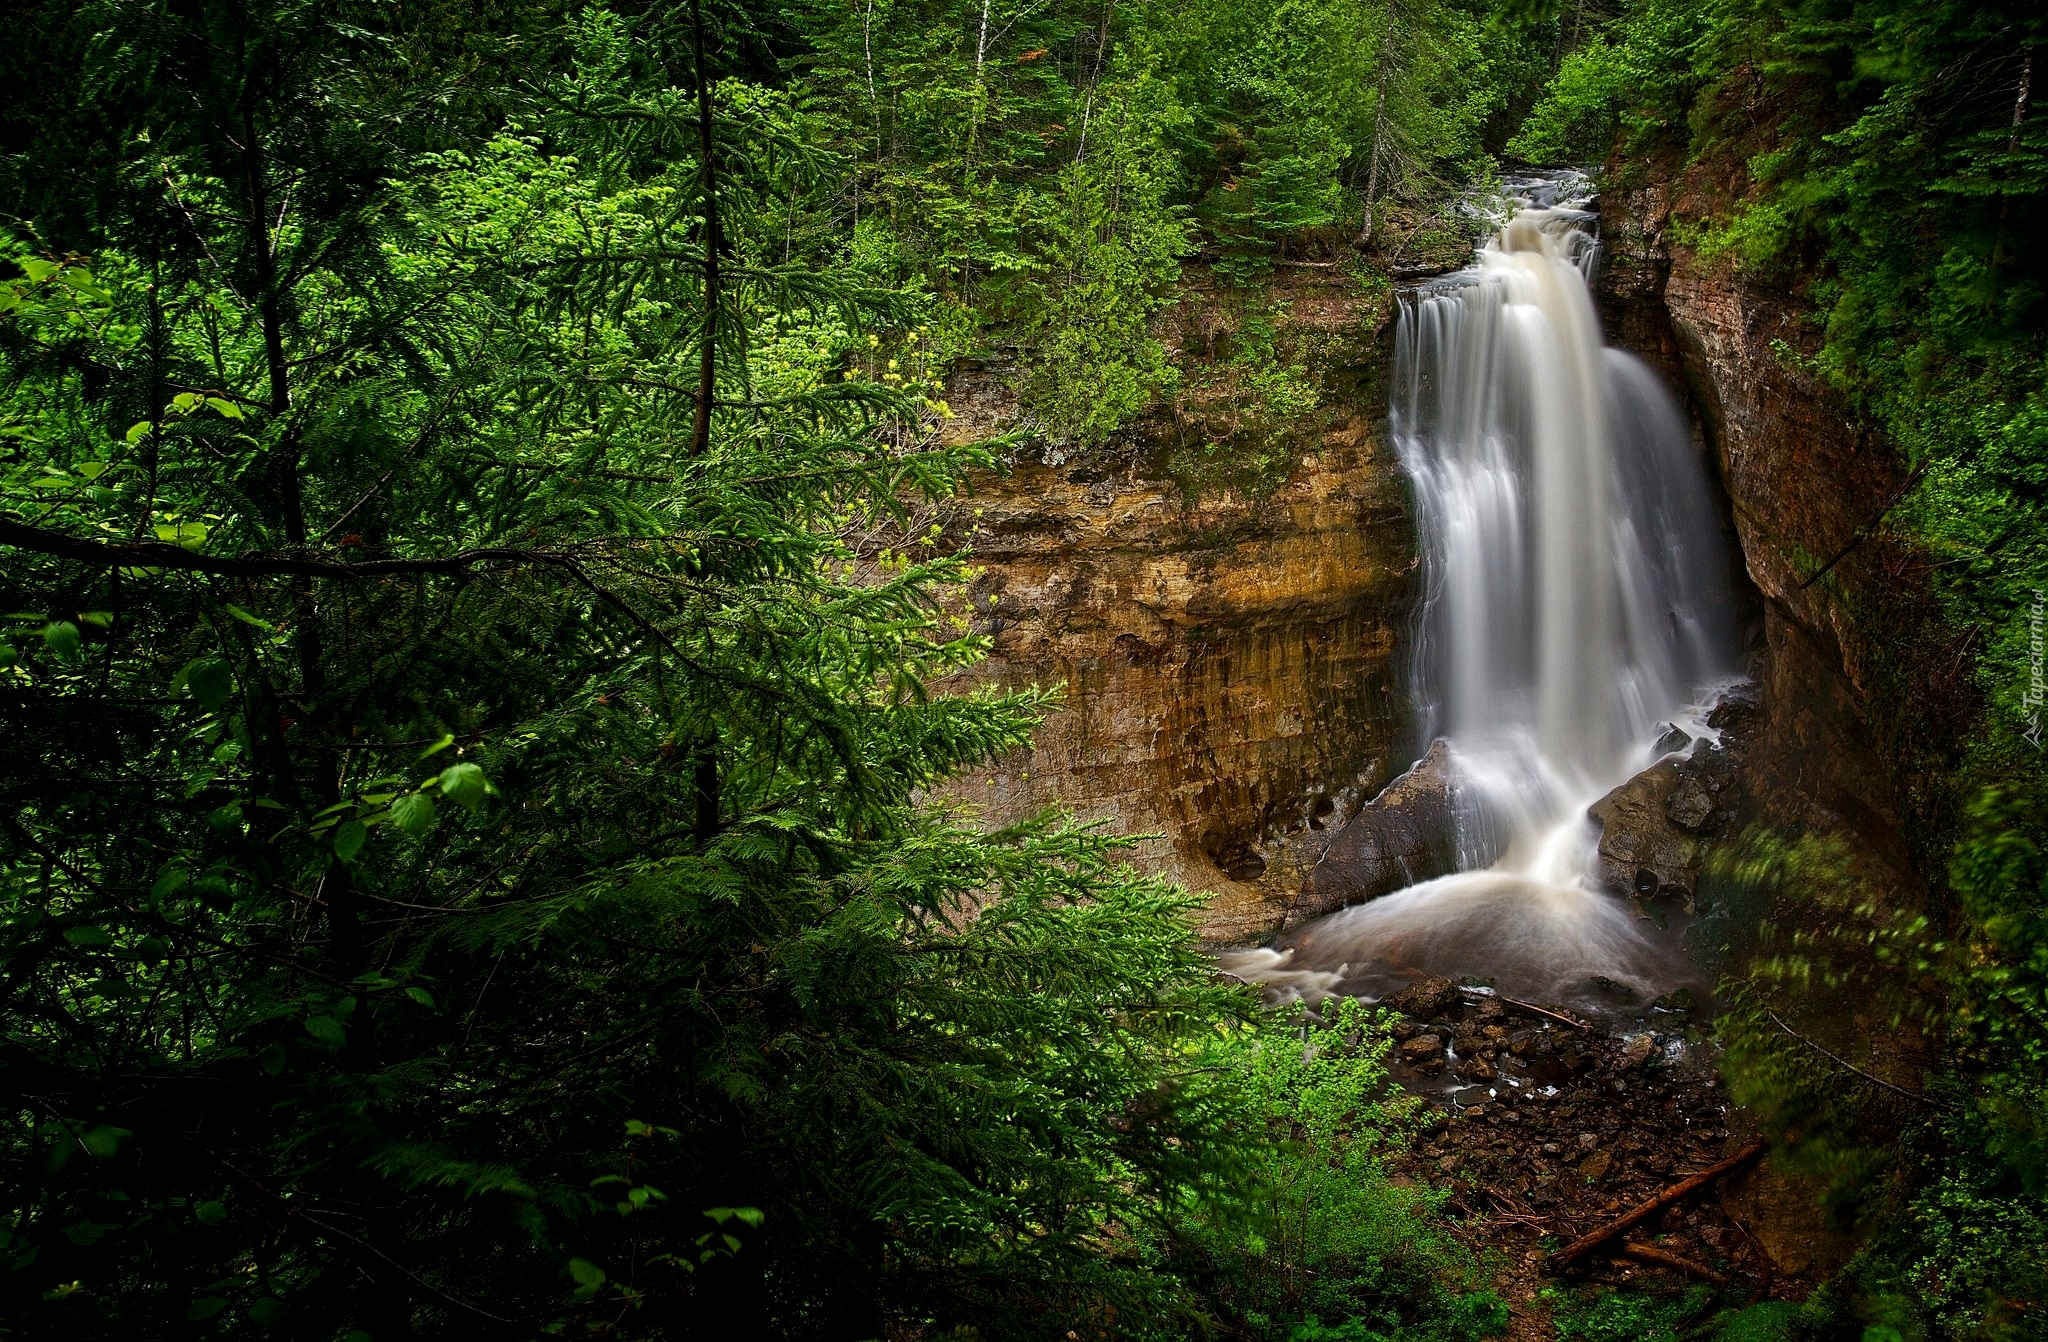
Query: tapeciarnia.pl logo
pixel 2037 687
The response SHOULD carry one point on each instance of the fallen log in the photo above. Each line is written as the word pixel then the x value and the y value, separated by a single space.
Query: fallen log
pixel 1628 1221
pixel 1529 1007
pixel 1656 1257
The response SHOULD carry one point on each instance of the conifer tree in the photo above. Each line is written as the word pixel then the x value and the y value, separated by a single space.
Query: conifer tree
pixel 463 862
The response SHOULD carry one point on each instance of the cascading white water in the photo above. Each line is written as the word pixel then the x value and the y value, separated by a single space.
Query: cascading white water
pixel 1575 598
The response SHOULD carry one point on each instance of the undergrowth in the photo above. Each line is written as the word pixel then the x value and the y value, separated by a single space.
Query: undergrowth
pixel 1329 1246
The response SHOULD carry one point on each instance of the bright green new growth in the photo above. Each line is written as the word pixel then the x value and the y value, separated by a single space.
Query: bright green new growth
pixel 1326 1246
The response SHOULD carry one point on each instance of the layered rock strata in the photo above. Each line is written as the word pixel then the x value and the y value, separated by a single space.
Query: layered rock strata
pixel 1227 660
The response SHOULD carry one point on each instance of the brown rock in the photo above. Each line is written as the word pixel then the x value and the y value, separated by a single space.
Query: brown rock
pixel 1641 851
pixel 1596 1167
pixel 1421 1049
pixel 1691 806
pixel 1424 999
pixel 1406 834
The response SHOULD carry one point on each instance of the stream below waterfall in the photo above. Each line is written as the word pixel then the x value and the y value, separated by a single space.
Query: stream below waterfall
pixel 1575 605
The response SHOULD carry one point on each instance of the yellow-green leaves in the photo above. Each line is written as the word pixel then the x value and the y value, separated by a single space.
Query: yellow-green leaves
pixel 184 535
pixel 349 839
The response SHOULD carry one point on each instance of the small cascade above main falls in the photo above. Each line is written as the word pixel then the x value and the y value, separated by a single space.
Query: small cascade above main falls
pixel 1576 601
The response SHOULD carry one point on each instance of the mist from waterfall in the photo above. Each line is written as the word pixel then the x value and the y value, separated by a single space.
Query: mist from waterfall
pixel 1575 599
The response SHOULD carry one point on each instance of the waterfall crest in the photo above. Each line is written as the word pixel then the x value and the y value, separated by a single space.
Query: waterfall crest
pixel 1575 598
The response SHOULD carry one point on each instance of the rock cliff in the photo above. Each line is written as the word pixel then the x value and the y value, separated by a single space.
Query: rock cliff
pixel 1226 653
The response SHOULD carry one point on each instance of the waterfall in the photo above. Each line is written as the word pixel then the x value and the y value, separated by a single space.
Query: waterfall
pixel 1575 579
pixel 1575 599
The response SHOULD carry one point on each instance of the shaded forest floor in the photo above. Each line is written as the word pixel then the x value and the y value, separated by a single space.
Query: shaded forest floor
pixel 1546 1132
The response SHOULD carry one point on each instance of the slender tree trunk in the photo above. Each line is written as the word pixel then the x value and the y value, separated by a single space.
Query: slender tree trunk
pixel 1094 81
pixel 704 783
pixel 1379 131
pixel 714 240
pixel 2020 103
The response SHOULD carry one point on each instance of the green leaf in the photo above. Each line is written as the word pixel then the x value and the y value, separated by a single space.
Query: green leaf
pixel 327 1030
pixel 88 936
pixel 446 741
pixel 751 1216
pixel 205 1308
pixel 211 1213
pixel 349 840
pixel 465 785
pixel 105 1142
pixel 211 681
pixel 184 535
pixel 267 1312
pixel 413 813
pixel 62 636
pixel 587 1274
pixel 273 1059
pixel 246 618
pixel 422 996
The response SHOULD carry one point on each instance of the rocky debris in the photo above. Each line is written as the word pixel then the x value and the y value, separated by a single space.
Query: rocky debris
pixel 1737 709
pixel 1425 999
pixel 1406 834
pixel 1672 741
pixel 1572 1129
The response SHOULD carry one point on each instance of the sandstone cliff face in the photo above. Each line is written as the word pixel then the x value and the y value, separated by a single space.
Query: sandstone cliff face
pixel 1227 660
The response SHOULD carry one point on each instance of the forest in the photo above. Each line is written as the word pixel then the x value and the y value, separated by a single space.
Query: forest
pixel 489 658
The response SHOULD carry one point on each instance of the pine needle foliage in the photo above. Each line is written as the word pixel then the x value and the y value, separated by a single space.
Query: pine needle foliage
pixel 463 863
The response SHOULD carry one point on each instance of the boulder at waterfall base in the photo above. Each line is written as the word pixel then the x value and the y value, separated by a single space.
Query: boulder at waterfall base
pixel 1406 834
